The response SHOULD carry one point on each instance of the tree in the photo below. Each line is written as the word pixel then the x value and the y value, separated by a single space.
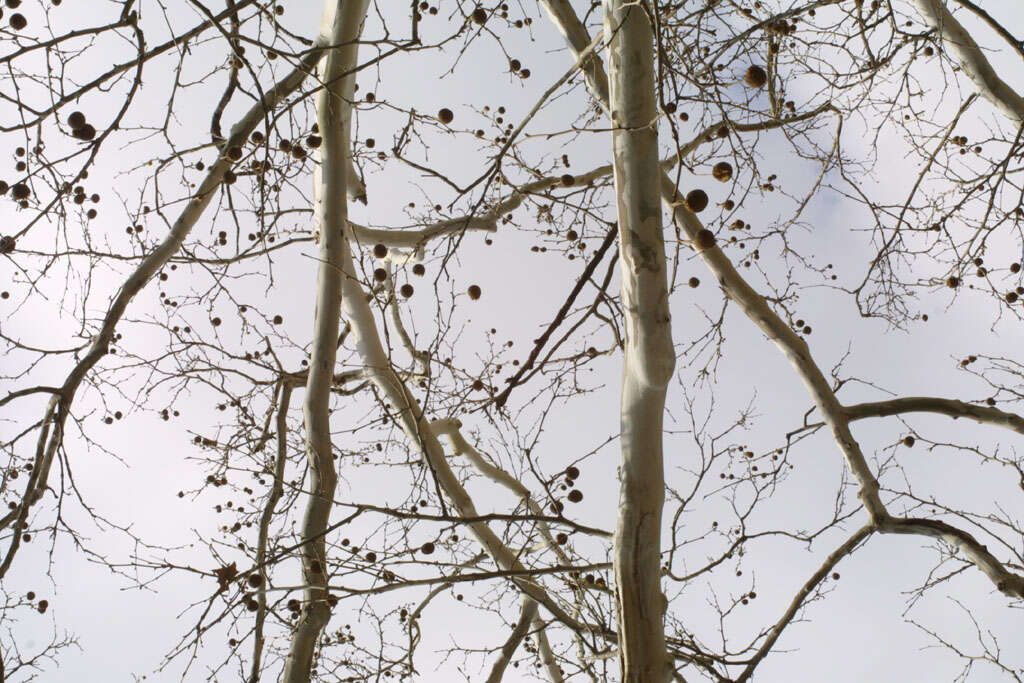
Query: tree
pixel 656 195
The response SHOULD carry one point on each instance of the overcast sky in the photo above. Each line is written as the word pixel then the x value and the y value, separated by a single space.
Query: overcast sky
pixel 857 634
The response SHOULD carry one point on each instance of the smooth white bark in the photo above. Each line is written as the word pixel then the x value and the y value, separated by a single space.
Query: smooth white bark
pixel 649 358
pixel 342 22
pixel 959 44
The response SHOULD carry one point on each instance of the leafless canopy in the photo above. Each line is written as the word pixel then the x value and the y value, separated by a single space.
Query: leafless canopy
pixel 351 291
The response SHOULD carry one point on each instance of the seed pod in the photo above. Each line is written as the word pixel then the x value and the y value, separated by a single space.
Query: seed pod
pixel 406 290
pixel 86 132
pixel 76 119
pixel 419 269
pixel 696 200
pixel 706 239
pixel 756 76
pixel 445 116
pixel 380 250
pixel 20 191
pixel 722 171
pixel 694 282
pixel 474 292
pixel 479 16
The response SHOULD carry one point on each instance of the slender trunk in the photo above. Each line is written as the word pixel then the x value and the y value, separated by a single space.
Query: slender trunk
pixel 649 357
pixel 341 22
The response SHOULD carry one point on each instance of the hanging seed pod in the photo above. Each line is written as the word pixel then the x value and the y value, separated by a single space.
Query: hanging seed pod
pixel 474 292
pixel 445 116
pixel 722 171
pixel 76 119
pixel 696 200
pixel 705 239
pixel 756 76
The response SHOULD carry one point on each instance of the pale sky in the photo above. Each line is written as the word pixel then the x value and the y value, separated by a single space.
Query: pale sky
pixel 858 633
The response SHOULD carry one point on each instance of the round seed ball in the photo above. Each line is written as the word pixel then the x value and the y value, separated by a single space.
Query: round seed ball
pixel 706 239
pixel 479 16
pixel 419 269
pixel 474 292
pixel 952 282
pixel 575 496
pixel 18 21
pixel 406 290
pixel 445 116
pixel 20 191
pixel 696 200
pixel 86 132
pixel 756 76
pixel 76 119
pixel 380 251
pixel 427 548
pixel 380 275
pixel 722 171
pixel 567 180
pixel 908 441
pixel 694 282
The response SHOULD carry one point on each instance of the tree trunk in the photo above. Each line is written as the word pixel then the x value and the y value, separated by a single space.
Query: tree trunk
pixel 342 21
pixel 649 355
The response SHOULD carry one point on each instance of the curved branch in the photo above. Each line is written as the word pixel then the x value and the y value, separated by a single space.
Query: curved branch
pixel 959 43
pixel 941 406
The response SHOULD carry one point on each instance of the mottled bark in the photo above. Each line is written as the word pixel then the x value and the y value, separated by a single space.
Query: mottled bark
pixel 649 357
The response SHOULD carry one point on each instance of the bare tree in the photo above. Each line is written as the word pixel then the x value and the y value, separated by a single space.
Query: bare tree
pixel 205 221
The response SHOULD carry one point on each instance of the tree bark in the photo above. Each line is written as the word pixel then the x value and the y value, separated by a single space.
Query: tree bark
pixel 960 45
pixel 342 21
pixel 649 357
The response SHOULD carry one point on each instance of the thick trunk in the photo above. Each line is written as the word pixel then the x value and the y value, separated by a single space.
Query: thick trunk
pixel 649 356
pixel 341 23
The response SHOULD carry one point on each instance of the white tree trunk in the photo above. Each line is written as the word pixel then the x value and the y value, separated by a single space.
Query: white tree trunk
pixel 649 355
pixel 342 22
